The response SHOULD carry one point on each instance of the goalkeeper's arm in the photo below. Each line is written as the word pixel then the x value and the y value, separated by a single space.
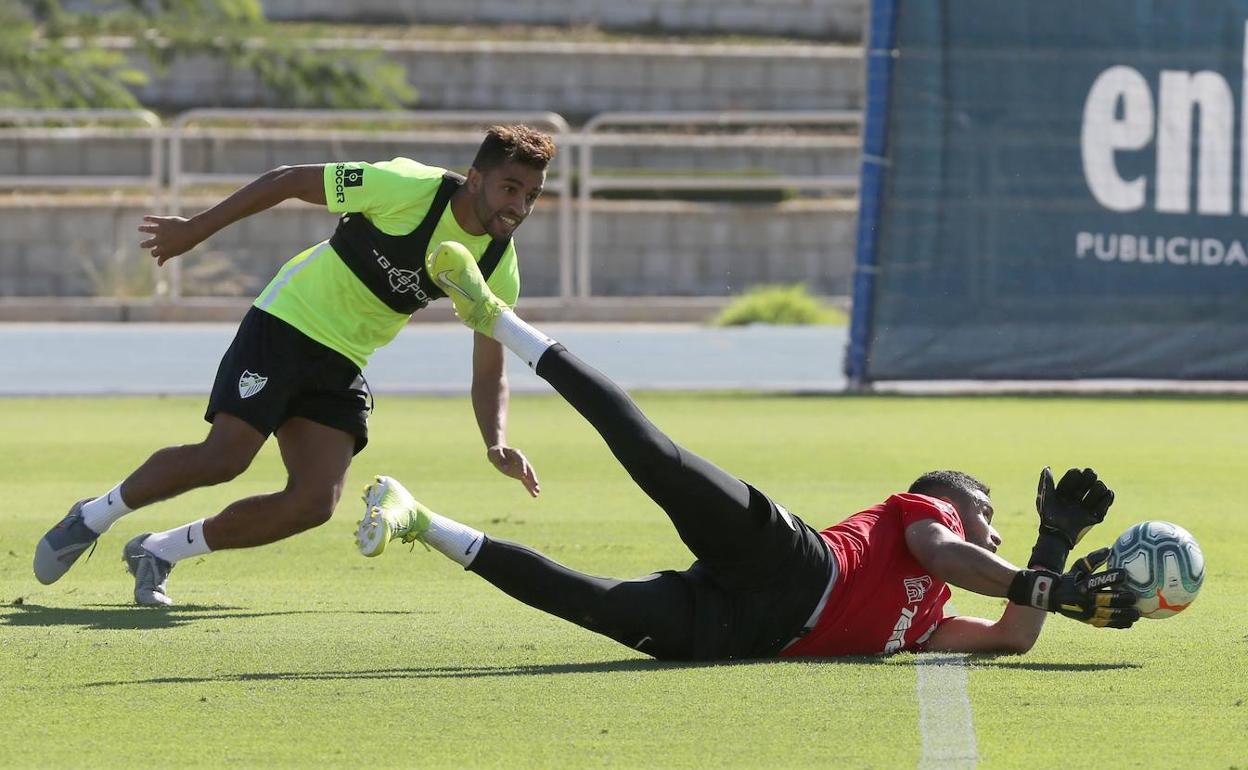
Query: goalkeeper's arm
pixel 957 562
pixel 1094 599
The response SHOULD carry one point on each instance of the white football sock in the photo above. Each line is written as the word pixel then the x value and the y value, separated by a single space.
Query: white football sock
pixel 455 541
pixel 104 511
pixel 179 543
pixel 520 338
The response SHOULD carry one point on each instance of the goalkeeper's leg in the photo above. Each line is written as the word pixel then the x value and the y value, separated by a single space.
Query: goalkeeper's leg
pixel 716 514
pixel 653 614
pixel 720 518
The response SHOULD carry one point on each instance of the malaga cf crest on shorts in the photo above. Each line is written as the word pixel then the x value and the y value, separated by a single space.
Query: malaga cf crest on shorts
pixel 250 384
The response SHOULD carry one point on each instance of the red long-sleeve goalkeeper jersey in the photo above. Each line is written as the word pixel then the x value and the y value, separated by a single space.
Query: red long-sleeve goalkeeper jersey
pixel 883 600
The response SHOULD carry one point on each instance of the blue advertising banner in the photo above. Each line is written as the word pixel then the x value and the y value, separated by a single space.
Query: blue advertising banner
pixel 1066 193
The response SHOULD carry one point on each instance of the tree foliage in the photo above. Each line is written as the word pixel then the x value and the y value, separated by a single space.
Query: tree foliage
pixel 91 54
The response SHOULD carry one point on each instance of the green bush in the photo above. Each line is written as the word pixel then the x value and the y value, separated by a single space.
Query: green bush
pixel 786 305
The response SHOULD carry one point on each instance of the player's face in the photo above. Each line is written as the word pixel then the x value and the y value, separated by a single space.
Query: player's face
pixel 503 197
pixel 976 512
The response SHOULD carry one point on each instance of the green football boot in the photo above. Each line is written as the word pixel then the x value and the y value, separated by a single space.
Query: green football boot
pixel 390 513
pixel 455 272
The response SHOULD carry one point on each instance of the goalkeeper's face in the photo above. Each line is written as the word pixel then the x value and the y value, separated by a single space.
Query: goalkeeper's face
pixel 976 512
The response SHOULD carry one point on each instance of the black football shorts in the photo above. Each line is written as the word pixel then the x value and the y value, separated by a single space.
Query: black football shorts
pixel 754 608
pixel 273 372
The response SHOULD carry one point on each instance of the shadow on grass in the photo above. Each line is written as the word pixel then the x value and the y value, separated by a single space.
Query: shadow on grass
pixel 1023 665
pixel 596 667
pixel 478 672
pixel 134 618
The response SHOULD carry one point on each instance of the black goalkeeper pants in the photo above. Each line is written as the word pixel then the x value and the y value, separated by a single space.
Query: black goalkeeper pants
pixel 759 574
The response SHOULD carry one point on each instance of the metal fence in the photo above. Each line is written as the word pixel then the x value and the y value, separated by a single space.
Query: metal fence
pixel 85 125
pixel 593 135
pixel 684 133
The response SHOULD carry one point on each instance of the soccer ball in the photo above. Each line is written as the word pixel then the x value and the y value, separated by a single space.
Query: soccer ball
pixel 1164 565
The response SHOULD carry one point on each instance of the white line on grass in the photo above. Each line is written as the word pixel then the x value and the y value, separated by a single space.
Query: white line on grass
pixel 946 727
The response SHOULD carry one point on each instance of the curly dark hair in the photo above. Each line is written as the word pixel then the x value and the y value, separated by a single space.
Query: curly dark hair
pixel 518 142
pixel 937 483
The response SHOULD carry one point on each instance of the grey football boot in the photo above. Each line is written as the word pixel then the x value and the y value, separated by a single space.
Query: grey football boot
pixel 63 544
pixel 150 573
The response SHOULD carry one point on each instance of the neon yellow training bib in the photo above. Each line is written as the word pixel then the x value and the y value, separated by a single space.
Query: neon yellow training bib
pixel 317 293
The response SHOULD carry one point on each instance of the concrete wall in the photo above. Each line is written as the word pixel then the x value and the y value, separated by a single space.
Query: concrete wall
pixel 716 249
pixel 77 246
pixel 574 79
pixel 46 152
pixel 815 19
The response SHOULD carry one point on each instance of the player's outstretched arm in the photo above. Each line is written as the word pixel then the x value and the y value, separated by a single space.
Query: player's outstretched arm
pixel 490 396
pixel 1015 633
pixel 169 237
pixel 959 563
pixel 1096 599
pixel 947 556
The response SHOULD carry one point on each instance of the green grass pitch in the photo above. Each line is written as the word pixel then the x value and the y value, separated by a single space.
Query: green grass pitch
pixel 306 654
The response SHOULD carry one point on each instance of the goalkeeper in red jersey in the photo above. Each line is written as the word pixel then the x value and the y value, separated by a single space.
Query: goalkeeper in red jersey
pixel 764 583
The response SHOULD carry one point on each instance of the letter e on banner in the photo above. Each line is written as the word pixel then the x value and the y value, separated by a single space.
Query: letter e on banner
pixel 1104 133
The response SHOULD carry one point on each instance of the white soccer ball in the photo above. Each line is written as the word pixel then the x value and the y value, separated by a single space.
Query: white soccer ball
pixel 1164 566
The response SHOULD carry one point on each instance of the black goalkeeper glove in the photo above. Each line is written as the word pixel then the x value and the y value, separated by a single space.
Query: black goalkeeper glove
pixel 1098 600
pixel 1068 510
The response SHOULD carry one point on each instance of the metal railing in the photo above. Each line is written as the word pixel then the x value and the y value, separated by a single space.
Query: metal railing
pixel 636 130
pixel 152 130
pixel 591 135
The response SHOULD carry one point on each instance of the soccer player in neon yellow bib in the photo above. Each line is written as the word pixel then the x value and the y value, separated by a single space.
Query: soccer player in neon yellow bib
pixel 294 368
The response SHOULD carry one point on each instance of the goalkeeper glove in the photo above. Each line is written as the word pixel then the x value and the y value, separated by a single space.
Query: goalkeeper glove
pixel 1099 600
pixel 1067 510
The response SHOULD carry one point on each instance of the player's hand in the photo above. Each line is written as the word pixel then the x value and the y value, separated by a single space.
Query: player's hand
pixel 1099 600
pixel 512 462
pixel 170 236
pixel 1073 506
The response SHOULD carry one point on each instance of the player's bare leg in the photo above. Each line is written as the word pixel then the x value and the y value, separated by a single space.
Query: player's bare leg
pixel 228 450
pixel 316 457
pixel 225 453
